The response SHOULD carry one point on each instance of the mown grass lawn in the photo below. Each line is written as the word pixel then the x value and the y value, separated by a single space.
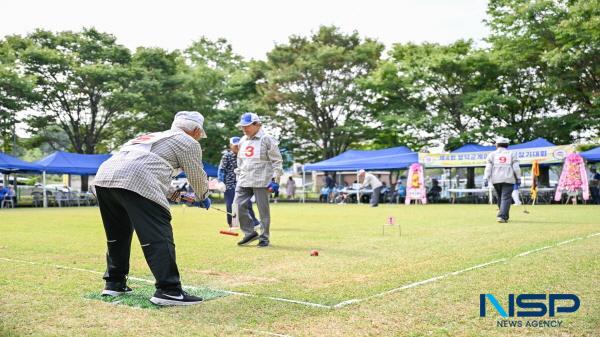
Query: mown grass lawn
pixel 355 262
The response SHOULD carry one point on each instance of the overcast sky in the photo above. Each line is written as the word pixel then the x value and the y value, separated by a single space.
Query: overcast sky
pixel 253 27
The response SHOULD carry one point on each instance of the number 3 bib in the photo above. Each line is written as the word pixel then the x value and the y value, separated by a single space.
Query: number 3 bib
pixel 250 149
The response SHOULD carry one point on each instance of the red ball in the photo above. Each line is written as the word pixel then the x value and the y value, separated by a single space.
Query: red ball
pixel 314 253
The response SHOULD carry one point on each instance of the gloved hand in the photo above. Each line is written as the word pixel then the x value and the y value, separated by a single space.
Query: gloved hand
pixel 206 203
pixel 517 184
pixel 485 183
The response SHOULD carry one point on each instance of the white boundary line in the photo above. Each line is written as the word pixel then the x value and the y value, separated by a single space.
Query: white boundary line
pixel 343 303
pixel 433 279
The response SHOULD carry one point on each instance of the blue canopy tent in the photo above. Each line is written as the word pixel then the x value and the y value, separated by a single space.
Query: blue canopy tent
pixel 536 143
pixel 10 164
pixel 592 155
pixel 387 159
pixel 61 162
pixel 470 147
pixel 539 142
pixel 392 158
pixel 211 170
pixel 72 163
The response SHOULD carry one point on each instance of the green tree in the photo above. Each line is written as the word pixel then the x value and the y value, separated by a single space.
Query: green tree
pixel 16 94
pixel 218 82
pixel 431 94
pixel 157 90
pixel 80 80
pixel 207 77
pixel 555 46
pixel 311 87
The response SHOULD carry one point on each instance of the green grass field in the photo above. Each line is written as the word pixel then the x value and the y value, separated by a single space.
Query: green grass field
pixel 51 263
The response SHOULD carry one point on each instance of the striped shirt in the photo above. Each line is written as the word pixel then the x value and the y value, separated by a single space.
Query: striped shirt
pixel 228 165
pixel 257 172
pixel 149 174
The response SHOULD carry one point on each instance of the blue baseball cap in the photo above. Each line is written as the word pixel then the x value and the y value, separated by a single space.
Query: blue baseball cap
pixel 234 140
pixel 248 118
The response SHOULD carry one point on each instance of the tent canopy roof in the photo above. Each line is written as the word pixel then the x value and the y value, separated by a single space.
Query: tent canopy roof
pixel 61 162
pixel 12 164
pixel 392 158
pixel 592 155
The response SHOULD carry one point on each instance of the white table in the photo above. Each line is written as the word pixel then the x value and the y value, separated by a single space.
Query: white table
pixel 351 191
pixel 454 191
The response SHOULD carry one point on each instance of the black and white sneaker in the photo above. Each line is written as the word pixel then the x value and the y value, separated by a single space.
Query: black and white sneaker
pixel 248 238
pixel 115 289
pixel 174 297
pixel 263 244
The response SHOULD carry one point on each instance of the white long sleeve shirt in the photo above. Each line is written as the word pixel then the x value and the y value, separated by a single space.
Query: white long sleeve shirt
pixel 371 180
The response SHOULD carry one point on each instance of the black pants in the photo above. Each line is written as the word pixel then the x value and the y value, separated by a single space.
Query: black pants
pixel 124 211
pixel 504 193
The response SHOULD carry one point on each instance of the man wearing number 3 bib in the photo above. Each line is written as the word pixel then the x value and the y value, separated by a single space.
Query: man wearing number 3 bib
pixel 258 160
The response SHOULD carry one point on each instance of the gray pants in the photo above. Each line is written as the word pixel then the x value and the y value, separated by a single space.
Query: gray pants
pixel 242 198
pixel 504 193
pixel 375 196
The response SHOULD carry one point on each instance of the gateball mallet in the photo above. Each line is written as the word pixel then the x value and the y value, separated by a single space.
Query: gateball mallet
pixel 524 203
pixel 225 232
pixel 222 210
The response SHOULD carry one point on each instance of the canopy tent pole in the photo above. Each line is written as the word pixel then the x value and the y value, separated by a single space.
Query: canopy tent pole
pixel 44 189
pixel 303 185
pixel 358 192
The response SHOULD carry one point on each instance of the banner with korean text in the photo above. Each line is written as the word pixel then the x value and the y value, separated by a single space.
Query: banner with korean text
pixel 544 155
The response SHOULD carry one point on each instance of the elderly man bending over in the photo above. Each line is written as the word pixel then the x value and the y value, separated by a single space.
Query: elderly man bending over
pixel 132 188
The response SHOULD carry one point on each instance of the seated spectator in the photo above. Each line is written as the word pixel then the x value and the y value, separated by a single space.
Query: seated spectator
pixel 274 189
pixel 434 192
pixel 324 194
pixel 11 194
pixel 400 193
pixel 384 193
pixel 3 191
